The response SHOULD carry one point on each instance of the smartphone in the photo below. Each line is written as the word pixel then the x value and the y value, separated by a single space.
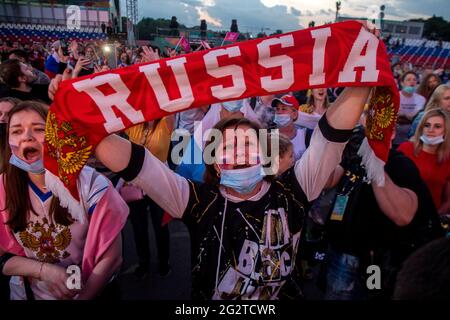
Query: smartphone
pixel 91 64
pixel 64 47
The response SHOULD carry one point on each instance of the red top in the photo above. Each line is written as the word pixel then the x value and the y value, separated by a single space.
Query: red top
pixel 435 175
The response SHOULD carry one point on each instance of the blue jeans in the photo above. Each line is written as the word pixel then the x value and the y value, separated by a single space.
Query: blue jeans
pixel 344 278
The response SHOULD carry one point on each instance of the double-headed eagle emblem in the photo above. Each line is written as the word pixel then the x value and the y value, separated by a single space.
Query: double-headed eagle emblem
pixel 70 150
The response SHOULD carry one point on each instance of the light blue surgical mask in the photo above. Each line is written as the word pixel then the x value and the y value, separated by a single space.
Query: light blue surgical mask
pixel 36 167
pixel 432 141
pixel 233 106
pixel 409 89
pixel 242 180
pixel 282 120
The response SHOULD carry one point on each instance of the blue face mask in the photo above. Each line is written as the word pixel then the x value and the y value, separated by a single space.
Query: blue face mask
pixel 432 141
pixel 233 106
pixel 409 89
pixel 282 120
pixel 36 167
pixel 242 180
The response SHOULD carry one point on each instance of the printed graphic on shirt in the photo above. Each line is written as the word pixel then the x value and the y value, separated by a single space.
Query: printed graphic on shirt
pixel 47 240
pixel 262 267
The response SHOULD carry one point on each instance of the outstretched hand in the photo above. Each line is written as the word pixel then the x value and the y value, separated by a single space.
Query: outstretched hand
pixel 372 28
pixel 54 83
pixel 149 55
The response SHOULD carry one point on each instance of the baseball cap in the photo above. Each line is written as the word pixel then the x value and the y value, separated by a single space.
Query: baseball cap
pixel 287 100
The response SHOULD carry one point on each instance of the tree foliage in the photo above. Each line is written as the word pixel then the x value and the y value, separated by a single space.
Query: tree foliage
pixel 435 28
pixel 147 26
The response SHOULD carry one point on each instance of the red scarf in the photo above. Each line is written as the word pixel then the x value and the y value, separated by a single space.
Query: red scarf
pixel 337 55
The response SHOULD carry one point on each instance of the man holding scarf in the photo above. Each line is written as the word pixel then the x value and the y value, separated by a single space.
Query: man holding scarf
pixel 253 265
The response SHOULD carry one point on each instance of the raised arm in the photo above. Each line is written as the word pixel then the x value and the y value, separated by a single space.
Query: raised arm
pixel 314 169
pixel 345 112
pixel 138 166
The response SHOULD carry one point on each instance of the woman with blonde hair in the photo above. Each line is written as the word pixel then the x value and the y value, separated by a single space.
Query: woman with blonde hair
pixel 440 98
pixel 315 107
pixel 430 150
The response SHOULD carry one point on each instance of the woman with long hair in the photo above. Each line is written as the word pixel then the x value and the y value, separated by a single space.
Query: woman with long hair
pixel 430 150
pixel 42 235
pixel 6 104
pixel 439 99
pixel 428 84
pixel 124 60
pixel 316 105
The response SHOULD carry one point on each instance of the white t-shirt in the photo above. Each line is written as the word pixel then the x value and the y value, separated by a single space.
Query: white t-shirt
pixel 410 106
pixel 187 118
pixel 299 143
pixel 308 120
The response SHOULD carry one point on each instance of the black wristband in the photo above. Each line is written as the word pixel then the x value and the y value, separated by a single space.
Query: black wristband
pixel 332 134
pixel 3 259
pixel 135 165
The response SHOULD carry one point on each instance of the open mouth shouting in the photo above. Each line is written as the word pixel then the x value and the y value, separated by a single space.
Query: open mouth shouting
pixel 31 154
pixel 321 93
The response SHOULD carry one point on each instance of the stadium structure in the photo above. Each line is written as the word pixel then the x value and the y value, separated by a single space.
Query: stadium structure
pixel 31 20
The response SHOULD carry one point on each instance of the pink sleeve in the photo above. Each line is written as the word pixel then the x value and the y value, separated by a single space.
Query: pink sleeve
pixel 7 241
pixel 107 220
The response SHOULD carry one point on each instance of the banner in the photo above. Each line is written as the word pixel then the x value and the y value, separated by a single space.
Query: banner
pixel 87 109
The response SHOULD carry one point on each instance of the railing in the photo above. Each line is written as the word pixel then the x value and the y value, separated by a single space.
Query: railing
pixel 444 64
pixel 167 32
pixel 441 53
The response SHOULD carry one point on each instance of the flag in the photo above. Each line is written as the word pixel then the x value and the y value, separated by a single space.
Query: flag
pixel 205 44
pixel 185 45
pixel 231 36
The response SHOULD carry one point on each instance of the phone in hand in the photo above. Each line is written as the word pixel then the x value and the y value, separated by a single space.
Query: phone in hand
pixel 64 47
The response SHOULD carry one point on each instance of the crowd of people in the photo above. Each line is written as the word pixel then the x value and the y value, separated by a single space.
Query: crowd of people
pixel 252 236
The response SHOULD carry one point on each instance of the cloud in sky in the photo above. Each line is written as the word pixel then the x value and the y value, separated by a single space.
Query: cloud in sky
pixel 203 14
pixel 261 15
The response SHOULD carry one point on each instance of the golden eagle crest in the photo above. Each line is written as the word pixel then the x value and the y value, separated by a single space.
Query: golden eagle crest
pixel 76 151
pixel 381 114
pixel 48 240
